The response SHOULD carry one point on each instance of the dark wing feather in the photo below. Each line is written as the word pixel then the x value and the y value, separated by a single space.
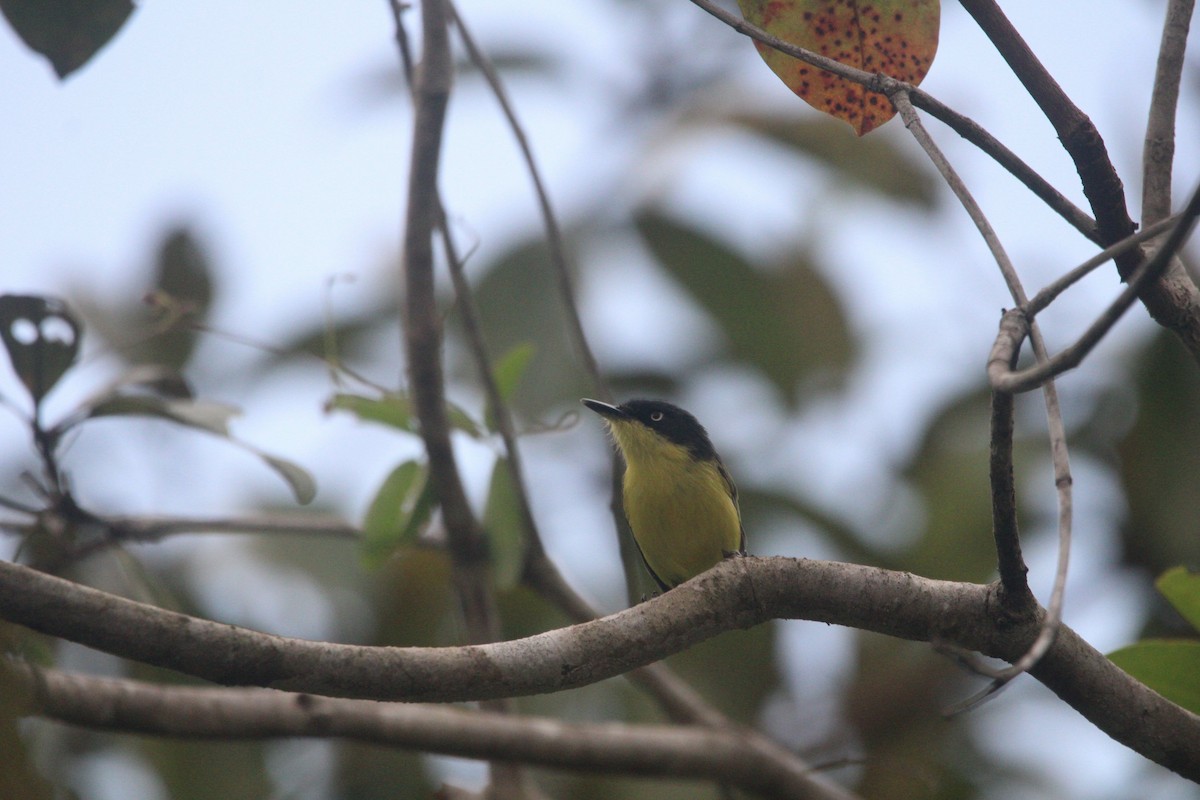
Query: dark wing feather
pixel 733 495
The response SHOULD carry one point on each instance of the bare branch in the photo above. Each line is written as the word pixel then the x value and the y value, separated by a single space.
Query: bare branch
pixel 738 593
pixel 554 238
pixel 1054 422
pixel 468 545
pixel 1071 356
pixel 1172 299
pixel 1005 529
pixel 1158 151
pixel 1052 290
pixel 130 706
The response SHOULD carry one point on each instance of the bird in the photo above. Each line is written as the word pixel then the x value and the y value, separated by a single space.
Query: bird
pixel 679 499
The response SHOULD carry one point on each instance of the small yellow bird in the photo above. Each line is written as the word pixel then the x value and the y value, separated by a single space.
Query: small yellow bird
pixel 679 499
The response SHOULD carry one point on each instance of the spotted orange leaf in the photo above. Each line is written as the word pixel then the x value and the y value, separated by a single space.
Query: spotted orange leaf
pixel 896 37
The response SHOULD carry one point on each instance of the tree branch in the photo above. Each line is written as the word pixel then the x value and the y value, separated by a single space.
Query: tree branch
pixel 1005 528
pixel 423 330
pixel 554 238
pixel 1045 297
pixel 130 706
pixel 1158 151
pixel 1054 422
pixel 1173 300
pixel 468 545
pixel 1070 357
pixel 738 593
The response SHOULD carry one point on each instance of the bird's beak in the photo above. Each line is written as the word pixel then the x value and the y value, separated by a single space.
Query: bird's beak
pixel 605 410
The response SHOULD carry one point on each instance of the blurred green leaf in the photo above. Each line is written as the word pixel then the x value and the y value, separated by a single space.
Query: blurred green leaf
pixel 67 32
pixel 755 503
pixel 875 163
pixel 19 777
pixel 894 695
pixel 1169 667
pixel 395 410
pixel 400 508
pixel 736 671
pixel 205 415
pixel 392 410
pixel 300 480
pixel 187 770
pixel 505 527
pixel 784 320
pixel 1159 459
pixel 516 305
pixel 949 470
pixel 183 293
pixel 163 325
pixel 1182 588
pixel 511 367
pixel 42 338
pixel 507 372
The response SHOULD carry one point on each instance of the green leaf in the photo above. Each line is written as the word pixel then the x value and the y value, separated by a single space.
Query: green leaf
pixel 42 338
pixel 67 32
pixel 1169 667
pixel 782 319
pixel 396 411
pixel 392 410
pixel 205 415
pixel 401 506
pixel 1182 589
pixel 896 37
pixel 1159 456
pixel 505 527
pixel 515 307
pixel 511 366
pixel 298 479
pixel 507 373
pixel 881 165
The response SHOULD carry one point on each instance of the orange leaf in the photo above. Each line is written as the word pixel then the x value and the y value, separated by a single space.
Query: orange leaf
pixel 895 37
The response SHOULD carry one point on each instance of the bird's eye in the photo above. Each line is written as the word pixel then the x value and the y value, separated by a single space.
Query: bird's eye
pixel 656 416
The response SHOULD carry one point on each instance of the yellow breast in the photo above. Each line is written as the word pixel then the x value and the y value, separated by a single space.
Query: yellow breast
pixel 682 516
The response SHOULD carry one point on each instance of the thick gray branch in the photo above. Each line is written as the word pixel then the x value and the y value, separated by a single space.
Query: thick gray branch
pixel 207 713
pixel 738 593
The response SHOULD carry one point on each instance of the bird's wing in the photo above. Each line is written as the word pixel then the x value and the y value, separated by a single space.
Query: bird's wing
pixel 733 495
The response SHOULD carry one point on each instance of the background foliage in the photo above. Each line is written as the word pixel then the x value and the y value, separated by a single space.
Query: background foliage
pixel 714 269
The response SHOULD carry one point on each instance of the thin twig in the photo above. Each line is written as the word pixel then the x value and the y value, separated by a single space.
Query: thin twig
pixel 1052 290
pixel 564 282
pixel 1056 429
pixel 1146 274
pixel 468 546
pixel 499 408
pixel 1158 150
pixel 554 238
